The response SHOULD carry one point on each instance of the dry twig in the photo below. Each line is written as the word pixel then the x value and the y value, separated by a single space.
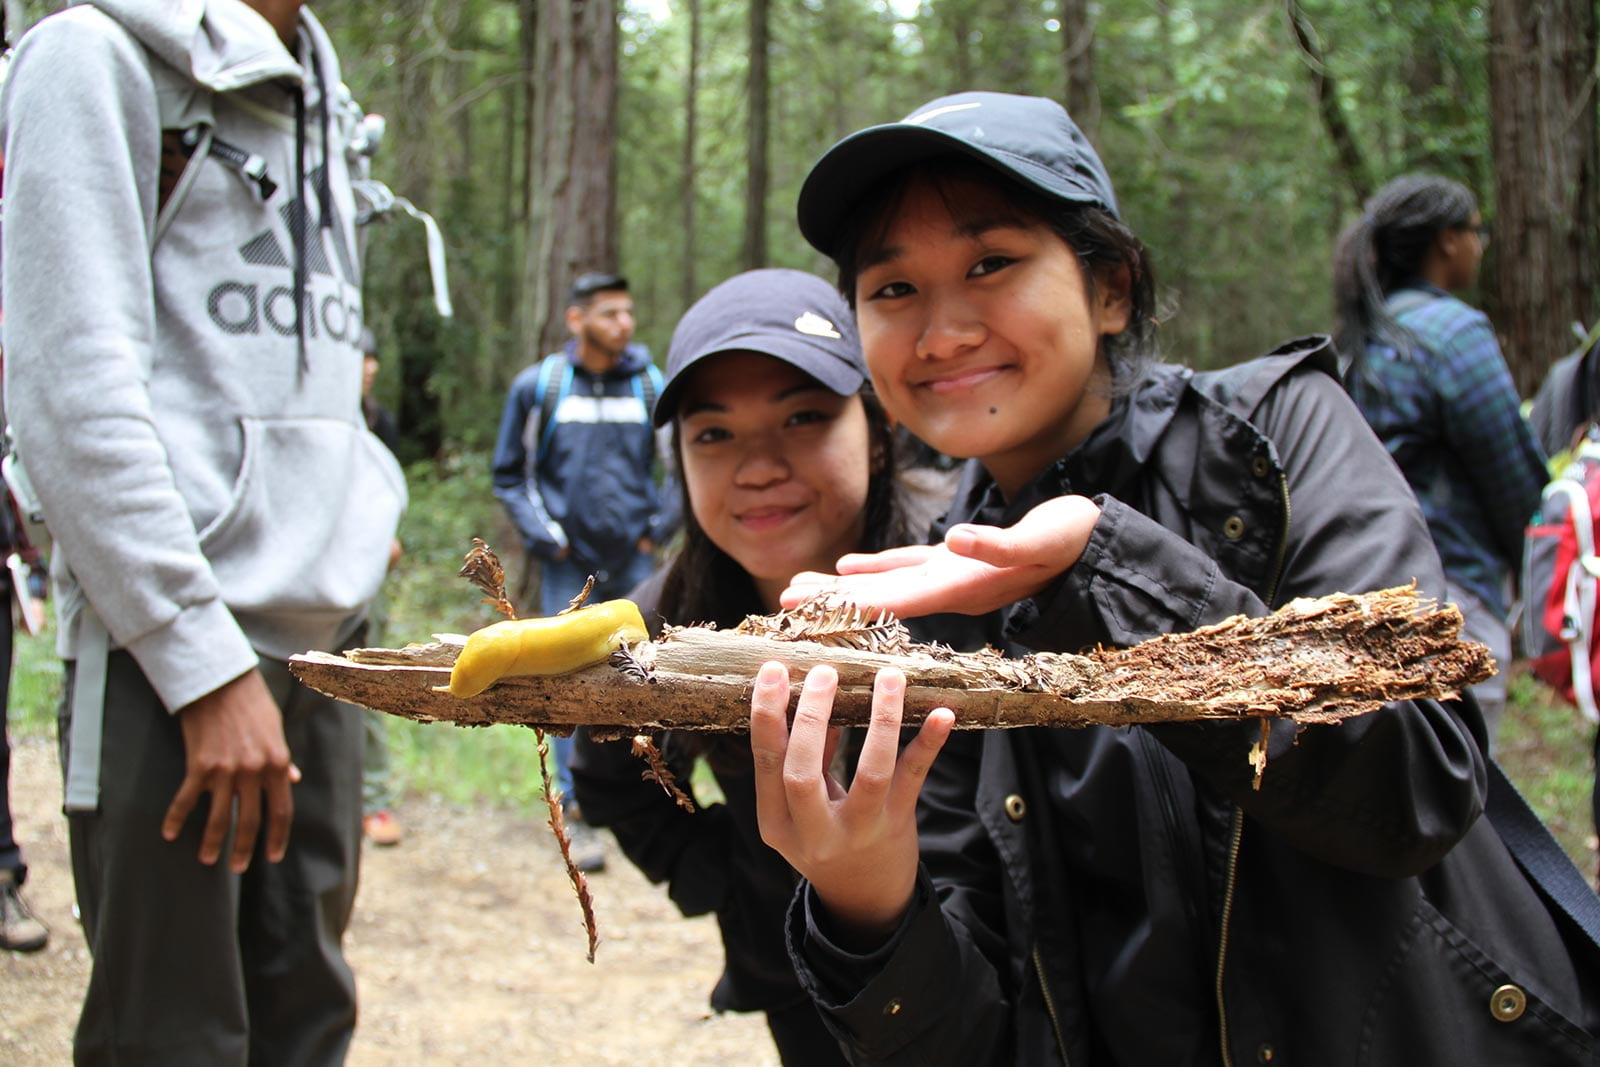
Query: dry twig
pixel 645 748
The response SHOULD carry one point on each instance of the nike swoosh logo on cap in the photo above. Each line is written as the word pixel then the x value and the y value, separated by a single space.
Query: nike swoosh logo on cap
pixel 925 116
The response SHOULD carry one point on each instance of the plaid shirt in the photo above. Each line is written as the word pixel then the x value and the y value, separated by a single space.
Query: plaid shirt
pixel 1450 416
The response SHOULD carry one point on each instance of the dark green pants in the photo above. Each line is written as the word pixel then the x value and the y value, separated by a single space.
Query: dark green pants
pixel 195 964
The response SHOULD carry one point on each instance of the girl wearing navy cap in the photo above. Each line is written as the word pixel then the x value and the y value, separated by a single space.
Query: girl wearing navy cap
pixel 1124 896
pixel 788 463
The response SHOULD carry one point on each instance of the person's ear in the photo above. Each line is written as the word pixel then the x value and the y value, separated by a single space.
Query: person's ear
pixel 1113 299
pixel 575 320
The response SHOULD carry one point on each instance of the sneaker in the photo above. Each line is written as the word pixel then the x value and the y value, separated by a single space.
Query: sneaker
pixel 588 850
pixel 19 930
pixel 382 828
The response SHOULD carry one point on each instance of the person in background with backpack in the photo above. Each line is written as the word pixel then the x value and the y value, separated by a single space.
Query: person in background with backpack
pixel 182 293
pixel 1427 374
pixel 574 466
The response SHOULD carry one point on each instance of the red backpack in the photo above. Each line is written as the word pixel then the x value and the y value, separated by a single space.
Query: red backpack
pixel 1561 580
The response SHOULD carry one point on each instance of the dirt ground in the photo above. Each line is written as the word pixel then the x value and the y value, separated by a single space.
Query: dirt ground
pixel 467 945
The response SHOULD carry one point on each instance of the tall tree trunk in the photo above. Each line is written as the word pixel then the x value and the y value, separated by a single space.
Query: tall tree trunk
pixel 754 252
pixel 574 203
pixel 525 335
pixel 1077 58
pixel 1543 142
pixel 691 93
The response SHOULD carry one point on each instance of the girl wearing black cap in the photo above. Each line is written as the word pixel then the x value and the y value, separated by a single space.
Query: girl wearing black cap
pixel 787 464
pixel 1124 895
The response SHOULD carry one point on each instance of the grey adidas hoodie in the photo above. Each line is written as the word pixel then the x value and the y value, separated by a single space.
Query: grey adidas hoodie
pixel 206 475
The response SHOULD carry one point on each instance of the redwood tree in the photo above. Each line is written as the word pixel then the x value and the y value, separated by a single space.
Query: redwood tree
pixel 1543 142
pixel 573 172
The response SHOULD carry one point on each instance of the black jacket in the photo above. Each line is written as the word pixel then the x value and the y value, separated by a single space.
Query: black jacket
pixel 1083 889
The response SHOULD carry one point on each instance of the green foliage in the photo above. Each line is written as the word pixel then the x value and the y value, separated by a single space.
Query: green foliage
pixel 36 681
pixel 1547 749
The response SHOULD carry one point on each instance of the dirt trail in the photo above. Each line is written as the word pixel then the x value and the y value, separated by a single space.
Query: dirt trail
pixel 467 945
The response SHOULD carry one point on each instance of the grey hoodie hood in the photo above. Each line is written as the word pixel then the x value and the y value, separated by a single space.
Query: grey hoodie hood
pixel 181 368
pixel 221 45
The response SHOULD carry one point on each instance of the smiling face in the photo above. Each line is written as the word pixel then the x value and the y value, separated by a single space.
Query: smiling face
pixel 776 465
pixel 980 331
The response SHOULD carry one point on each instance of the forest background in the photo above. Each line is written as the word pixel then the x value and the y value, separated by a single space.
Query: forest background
pixel 669 138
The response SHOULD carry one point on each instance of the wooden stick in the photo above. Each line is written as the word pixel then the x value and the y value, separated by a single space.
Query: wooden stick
pixel 1314 660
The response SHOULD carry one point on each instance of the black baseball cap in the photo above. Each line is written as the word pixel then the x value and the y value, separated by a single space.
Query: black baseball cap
pixel 788 314
pixel 1028 138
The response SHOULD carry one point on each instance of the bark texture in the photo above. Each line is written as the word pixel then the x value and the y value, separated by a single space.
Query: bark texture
pixel 1314 660
pixel 1542 265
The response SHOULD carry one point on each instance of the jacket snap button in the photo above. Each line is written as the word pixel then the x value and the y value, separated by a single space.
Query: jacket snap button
pixel 1508 1003
pixel 1260 467
pixel 1265 1054
pixel 1233 529
pixel 1016 808
pixel 893 1007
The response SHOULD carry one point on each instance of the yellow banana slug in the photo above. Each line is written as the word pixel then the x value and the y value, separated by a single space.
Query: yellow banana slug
pixel 559 644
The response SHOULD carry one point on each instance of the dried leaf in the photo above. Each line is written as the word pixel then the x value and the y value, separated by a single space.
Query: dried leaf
pixel 482 568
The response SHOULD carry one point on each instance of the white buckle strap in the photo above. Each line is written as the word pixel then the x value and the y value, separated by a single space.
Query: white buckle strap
pixel 88 715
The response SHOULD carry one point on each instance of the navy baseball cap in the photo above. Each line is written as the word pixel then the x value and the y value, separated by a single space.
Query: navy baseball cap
pixel 1028 138
pixel 788 314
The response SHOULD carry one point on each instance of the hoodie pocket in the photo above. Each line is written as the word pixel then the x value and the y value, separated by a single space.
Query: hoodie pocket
pixel 307 532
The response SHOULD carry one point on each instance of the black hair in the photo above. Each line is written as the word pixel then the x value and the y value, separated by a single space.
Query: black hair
pixel 594 282
pixel 1384 250
pixel 1101 241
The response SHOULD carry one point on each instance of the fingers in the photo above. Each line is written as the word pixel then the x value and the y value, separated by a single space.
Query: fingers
pixel 183 802
pixel 876 768
pixel 769 741
pixel 804 586
pixel 917 758
pixel 248 825
pixel 217 821
pixel 804 773
pixel 1051 536
pixel 887 560
pixel 280 812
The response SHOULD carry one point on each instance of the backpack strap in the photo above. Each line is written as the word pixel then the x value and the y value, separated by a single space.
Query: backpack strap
pixel 548 401
pixel 1547 866
pixel 647 386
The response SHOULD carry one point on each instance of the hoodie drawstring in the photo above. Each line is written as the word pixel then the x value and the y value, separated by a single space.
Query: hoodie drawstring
pixel 297 223
pixel 301 208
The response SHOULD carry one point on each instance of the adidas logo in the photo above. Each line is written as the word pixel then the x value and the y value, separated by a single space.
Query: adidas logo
pixel 246 307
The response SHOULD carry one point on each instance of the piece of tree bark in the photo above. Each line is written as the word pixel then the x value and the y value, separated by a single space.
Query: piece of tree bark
pixel 1314 660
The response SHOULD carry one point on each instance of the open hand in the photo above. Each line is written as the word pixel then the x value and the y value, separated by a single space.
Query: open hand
pixel 858 847
pixel 975 570
pixel 234 749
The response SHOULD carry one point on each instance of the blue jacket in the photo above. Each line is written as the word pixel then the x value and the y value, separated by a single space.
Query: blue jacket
pixel 586 482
